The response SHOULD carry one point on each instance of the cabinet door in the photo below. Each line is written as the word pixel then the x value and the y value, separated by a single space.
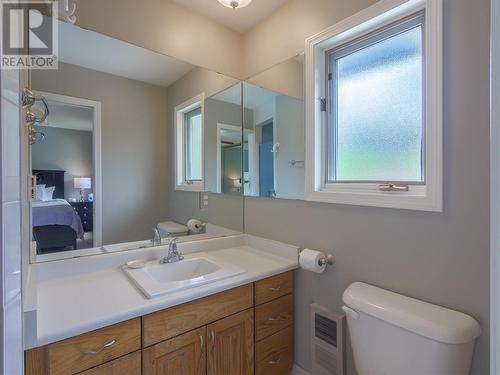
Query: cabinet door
pixel 231 345
pixel 182 355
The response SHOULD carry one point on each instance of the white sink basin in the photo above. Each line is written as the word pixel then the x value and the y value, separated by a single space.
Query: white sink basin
pixel 156 279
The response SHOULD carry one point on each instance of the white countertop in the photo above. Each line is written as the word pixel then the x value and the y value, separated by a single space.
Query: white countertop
pixel 80 295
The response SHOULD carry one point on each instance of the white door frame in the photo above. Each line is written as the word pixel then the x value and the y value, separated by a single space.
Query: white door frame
pixel 495 189
pixel 97 159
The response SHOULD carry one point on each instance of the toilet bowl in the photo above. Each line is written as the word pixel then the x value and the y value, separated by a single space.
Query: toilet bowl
pixel 392 334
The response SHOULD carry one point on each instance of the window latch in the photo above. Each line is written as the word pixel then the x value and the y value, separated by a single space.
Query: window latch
pixel 322 104
pixel 393 187
pixel 189 182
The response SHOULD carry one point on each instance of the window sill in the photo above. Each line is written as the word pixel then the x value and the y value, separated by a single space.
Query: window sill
pixel 192 187
pixel 418 198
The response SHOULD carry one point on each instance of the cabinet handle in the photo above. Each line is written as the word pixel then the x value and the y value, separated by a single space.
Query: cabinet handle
pixel 275 361
pixel 202 343
pixel 212 339
pixel 94 352
pixel 275 288
pixel 276 318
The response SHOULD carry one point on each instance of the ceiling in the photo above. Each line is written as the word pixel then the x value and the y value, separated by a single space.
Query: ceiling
pixel 239 20
pixel 105 54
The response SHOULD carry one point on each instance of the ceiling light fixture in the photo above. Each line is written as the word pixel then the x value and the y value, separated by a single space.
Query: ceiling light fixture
pixel 235 4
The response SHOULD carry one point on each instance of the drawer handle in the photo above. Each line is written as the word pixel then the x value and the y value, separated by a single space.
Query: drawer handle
pixel 94 352
pixel 275 288
pixel 212 339
pixel 276 318
pixel 275 361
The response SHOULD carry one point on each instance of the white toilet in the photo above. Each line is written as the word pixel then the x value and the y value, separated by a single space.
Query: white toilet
pixel 172 229
pixel 392 334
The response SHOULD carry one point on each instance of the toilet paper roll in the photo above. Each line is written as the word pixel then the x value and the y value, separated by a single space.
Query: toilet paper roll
pixel 309 260
pixel 195 226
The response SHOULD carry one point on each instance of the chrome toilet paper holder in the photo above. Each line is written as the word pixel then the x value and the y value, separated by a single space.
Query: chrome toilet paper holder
pixel 327 260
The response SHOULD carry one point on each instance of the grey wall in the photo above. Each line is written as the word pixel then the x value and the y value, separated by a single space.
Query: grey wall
pixel 68 150
pixel 134 146
pixel 442 258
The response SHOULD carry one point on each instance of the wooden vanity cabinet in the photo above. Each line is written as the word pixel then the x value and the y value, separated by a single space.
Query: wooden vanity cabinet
pixel 242 331
pixel 83 352
pixel 274 318
pixel 184 354
pixel 231 345
pixel 129 364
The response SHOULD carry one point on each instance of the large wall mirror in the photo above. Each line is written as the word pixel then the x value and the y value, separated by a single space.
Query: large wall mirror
pixel 274 146
pixel 106 159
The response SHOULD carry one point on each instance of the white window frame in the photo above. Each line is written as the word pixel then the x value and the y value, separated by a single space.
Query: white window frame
pixel 180 145
pixel 427 197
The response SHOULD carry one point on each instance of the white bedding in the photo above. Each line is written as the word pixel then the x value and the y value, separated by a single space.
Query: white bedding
pixel 52 202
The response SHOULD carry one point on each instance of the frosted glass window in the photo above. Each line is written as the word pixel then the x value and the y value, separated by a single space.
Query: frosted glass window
pixel 376 107
pixel 193 145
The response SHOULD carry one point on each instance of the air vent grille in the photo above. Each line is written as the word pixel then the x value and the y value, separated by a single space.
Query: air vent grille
pixel 326 329
pixel 327 341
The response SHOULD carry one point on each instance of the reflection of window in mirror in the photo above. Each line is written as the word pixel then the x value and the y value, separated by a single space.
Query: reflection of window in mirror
pixel 189 145
pixel 192 128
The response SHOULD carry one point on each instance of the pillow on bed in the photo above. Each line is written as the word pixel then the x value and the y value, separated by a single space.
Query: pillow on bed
pixel 48 193
pixel 39 192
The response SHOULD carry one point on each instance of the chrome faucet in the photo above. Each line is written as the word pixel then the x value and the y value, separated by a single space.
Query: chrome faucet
pixel 156 240
pixel 173 254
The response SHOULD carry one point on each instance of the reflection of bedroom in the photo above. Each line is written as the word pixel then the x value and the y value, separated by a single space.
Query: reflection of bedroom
pixel 63 165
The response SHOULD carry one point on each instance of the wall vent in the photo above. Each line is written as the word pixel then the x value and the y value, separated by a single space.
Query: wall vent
pixel 327 341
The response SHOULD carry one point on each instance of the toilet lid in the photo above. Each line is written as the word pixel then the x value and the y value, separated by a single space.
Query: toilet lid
pixel 172 227
pixel 423 318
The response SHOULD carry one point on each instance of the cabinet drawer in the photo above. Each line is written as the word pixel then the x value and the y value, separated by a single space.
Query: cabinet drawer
pixel 130 365
pixel 273 317
pixel 83 352
pixel 176 320
pixel 273 287
pixel 274 355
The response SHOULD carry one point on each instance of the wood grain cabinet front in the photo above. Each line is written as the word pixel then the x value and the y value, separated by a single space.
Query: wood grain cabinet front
pixel 231 345
pixel 246 330
pixel 274 355
pixel 273 287
pixel 182 355
pixel 129 364
pixel 83 352
pixel 273 317
pixel 165 324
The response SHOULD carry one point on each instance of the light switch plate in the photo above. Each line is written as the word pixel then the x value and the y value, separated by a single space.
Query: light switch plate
pixel 204 201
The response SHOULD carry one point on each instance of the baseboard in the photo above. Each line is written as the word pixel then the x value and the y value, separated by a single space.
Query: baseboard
pixel 297 370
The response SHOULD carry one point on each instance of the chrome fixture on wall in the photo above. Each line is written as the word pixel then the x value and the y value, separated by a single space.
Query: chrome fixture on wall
pixel 67 11
pixel 28 100
pixel 235 4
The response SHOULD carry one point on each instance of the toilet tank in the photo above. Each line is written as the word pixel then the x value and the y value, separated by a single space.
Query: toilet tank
pixel 392 334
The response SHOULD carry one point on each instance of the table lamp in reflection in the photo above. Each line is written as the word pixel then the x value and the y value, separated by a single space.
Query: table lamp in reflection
pixel 82 183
